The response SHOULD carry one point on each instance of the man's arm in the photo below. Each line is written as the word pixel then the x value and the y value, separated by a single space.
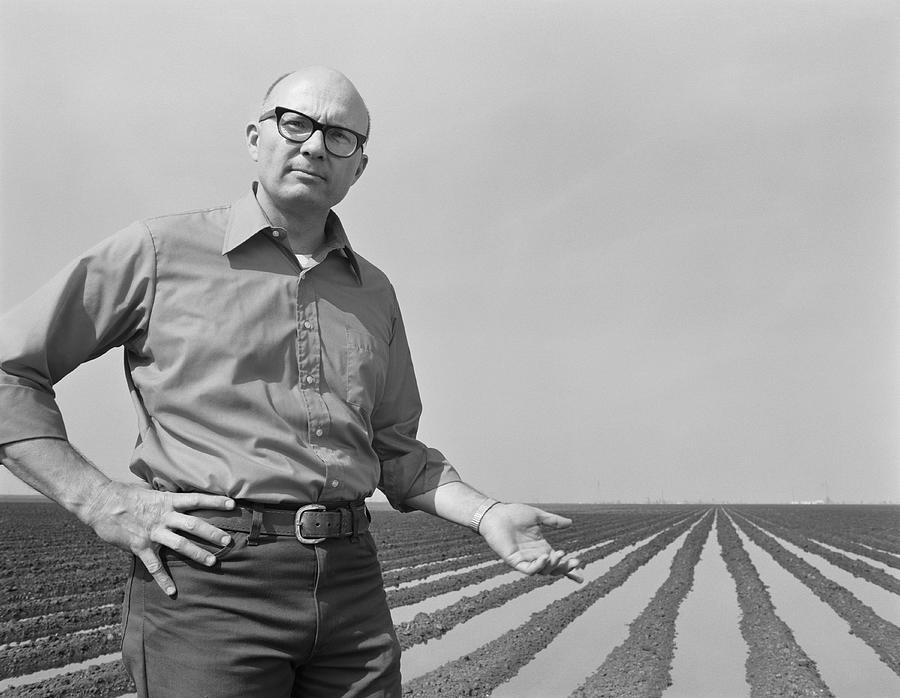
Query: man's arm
pixel 101 300
pixel 513 531
pixel 133 518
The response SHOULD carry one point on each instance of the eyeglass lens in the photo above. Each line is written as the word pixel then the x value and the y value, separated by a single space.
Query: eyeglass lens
pixel 299 128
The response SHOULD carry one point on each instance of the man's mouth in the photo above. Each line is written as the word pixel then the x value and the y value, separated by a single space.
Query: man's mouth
pixel 308 173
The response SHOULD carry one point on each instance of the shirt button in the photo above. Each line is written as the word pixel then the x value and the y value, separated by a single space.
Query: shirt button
pixel 309 379
pixel 307 324
pixel 335 483
pixel 276 233
pixel 319 432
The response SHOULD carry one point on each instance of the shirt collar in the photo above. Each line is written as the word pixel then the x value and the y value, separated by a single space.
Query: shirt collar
pixel 248 219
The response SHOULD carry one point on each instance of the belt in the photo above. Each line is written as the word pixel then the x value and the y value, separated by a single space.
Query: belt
pixel 309 524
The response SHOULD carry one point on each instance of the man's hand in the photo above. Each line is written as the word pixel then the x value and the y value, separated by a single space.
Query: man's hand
pixel 134 518
pixel 514 532
pixel 141 521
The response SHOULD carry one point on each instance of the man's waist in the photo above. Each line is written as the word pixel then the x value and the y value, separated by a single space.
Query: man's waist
pixel 311 523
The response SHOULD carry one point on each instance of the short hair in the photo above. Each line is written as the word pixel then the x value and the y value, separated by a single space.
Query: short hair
pixel 272 87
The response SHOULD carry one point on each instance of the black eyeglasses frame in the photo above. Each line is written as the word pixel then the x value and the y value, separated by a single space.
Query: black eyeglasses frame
pixel 278 112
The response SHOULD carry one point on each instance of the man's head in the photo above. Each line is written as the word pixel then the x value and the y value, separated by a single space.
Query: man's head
pixel 303 178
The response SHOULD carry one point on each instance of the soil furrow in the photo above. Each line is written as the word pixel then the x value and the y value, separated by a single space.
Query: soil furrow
pixel 58 650
pixel 58 623
pixel 100 681
pixel 776 664
pixel 857 568
pixel 641 666
pixel 56 604
pixel 879 634
pixel 480 672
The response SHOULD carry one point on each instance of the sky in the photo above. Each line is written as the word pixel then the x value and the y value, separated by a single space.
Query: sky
pixel 644 250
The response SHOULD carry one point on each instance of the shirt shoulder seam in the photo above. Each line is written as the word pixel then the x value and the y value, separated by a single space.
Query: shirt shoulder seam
pixel 191 212
pixel 155 277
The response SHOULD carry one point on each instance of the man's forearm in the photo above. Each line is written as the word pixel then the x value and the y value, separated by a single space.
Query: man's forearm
pixel 56 469
pixel 513 531
pixel 455 501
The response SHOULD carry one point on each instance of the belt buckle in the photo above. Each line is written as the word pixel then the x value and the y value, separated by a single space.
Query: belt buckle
pixel 298 527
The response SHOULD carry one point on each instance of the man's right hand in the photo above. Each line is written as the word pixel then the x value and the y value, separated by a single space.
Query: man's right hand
pixel 142 521
pixel 134 518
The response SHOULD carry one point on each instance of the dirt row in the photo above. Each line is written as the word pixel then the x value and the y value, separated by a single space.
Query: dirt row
pixel 479 673
pixel 59 650
pixel 641 666
pixel 100 681
pixel 32 608
pixel 857 568
pixel 776 664
pixel 888 559
pixel 404 575
pixel 876 526
pixel 18 631
pixel 881 635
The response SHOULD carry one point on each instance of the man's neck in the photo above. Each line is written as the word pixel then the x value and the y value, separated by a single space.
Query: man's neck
pixel 306 229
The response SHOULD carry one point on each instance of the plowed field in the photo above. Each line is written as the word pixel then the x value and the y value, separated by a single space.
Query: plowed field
pixel 677 601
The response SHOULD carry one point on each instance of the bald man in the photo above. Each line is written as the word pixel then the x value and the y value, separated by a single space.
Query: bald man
pixel 274 392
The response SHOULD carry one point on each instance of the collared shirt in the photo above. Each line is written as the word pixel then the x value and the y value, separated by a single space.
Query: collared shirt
pixel 251 377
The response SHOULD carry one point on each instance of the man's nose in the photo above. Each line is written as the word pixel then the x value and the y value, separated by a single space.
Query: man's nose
pixel 314 146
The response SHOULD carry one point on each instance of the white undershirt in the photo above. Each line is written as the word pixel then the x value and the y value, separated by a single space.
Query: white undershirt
pixel 307 261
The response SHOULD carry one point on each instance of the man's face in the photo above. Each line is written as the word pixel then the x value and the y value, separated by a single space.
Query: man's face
pixel 302 178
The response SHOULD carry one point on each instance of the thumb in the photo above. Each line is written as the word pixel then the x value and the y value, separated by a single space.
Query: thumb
pixel 553 520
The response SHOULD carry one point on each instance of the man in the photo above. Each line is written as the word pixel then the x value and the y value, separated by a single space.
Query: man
pixel 274 390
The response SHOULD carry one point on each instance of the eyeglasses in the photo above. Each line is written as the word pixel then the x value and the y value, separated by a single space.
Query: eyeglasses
pixel 299 128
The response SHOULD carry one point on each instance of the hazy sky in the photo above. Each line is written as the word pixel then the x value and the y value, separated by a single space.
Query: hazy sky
pixel 643 249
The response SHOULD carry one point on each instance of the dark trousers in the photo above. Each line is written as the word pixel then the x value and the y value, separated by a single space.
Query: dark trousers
pixel 271 620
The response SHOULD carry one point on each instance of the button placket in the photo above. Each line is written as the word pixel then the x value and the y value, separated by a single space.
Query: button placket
pixel 309 357
pixel 307 342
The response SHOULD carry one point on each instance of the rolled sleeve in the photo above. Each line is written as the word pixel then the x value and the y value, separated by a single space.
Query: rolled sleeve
pixel 408 467
pixel 99 301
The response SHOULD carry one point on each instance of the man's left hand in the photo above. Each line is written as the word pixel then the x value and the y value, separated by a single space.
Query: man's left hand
pixel 514 532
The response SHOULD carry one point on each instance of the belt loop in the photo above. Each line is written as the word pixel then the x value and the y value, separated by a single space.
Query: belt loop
pixel 354 524
pixel 255 524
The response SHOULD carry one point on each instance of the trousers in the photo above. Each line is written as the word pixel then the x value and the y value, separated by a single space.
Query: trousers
pixel 271 620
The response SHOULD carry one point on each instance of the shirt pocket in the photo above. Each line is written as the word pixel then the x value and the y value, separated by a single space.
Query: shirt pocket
pixel 366 368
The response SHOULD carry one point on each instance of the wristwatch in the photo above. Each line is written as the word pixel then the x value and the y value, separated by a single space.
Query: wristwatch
pixel 478 514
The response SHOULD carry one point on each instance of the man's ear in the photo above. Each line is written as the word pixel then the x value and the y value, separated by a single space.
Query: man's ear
pixel 253 140
pixel 363 162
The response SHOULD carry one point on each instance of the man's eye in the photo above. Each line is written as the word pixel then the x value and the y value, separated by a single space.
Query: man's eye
pixel 296 125
pixel 339 137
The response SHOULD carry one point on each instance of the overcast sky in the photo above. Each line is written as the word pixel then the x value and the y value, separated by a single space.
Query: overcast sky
pixel 643 249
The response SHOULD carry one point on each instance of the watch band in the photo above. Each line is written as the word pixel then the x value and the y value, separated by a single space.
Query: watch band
pixel 478 514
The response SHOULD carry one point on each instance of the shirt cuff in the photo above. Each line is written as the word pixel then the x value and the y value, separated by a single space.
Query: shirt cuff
pixel 28 414
pixel 415 474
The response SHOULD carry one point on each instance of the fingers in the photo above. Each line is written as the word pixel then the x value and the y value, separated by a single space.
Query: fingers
pixel 568 565
pixel 553 563
pixel 156 569
pixel 182 546
pixel 197 527
pixel 184 501
pixel 553 520
pixel 531 567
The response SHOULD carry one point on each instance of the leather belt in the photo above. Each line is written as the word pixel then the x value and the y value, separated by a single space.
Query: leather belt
pixel 309 524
